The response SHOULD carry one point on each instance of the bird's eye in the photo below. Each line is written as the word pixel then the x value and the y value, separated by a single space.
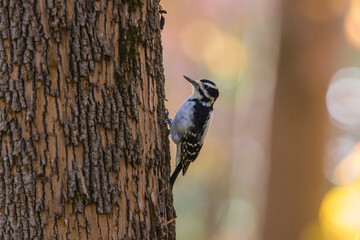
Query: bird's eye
pixel 206 87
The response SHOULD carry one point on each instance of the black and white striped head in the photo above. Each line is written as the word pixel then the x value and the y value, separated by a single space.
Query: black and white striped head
pixel 204 90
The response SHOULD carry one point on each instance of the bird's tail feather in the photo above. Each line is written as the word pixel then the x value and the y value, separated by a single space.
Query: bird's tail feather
pixel 178 153
pixel 178 165
pixel 175 174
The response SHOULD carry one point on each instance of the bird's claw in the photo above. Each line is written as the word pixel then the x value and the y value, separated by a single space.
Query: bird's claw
pixel 167 120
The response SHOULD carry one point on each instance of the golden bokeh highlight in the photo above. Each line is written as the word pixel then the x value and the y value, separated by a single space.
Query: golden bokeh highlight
pixel 195 36
pixel 352 24
pixel 312 231
pixel 222 53
pixel 340 213
pixel 224 56
pixel 349 168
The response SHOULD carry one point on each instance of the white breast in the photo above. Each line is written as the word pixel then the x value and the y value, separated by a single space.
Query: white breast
pixel 182 121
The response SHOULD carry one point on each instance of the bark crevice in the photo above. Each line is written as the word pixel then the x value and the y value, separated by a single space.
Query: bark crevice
pixel 84 152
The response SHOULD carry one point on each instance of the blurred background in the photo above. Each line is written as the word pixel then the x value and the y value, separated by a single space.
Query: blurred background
pixel 282 158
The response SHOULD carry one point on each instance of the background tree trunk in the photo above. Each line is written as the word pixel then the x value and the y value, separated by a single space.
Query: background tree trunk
pixel 307 62
pixel 84 153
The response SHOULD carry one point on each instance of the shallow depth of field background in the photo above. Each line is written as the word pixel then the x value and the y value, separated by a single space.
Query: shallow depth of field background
pixel 236 44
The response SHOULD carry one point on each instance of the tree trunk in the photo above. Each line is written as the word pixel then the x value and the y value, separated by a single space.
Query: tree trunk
pixel 84 150
pixel 307 62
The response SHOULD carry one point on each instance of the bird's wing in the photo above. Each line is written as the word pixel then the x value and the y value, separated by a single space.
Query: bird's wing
pixel 190 148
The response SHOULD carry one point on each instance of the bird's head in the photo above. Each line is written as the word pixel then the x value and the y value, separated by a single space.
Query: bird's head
pixel 204 90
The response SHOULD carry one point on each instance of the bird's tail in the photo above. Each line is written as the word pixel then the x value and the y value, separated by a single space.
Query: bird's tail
pixel 178 165
pixel 178 154
pixel 175 174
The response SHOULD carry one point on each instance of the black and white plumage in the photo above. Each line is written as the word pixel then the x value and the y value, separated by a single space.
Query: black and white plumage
pixel 191 123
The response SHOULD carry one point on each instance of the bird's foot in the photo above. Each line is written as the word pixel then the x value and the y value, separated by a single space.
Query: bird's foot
pixel 167 120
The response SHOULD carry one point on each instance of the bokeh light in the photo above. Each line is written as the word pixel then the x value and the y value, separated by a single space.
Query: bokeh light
pixel 194 37
pixel 313 231
pixel 340 209
pixel 224 56
pixel 348 169
pixel 222 53
pixel 352 24
pixel 343 97
pixel 235 43
pixel 340 213
pixel 342 165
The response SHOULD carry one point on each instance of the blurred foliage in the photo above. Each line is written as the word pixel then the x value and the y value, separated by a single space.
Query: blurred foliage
pixel 235 43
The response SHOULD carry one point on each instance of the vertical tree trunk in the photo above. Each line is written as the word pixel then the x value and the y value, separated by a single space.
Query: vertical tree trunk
pixel 84 153
pixel 307 62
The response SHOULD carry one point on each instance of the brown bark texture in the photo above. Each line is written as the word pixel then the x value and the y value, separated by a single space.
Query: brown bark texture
pixel 84 151
pixel 296 180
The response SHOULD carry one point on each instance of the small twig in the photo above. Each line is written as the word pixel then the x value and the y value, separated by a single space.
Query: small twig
pixel 163 190
pixel 170 221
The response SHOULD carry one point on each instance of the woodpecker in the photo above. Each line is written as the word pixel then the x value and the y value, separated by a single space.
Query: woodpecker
pixel 191 123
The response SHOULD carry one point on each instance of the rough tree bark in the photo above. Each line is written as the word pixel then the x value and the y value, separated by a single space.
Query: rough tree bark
pixel 84 153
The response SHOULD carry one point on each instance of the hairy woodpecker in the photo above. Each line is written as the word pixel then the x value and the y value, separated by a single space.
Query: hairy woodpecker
pixel 191 122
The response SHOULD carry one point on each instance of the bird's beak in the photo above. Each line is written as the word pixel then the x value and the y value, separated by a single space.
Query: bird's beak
pixel 193 82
